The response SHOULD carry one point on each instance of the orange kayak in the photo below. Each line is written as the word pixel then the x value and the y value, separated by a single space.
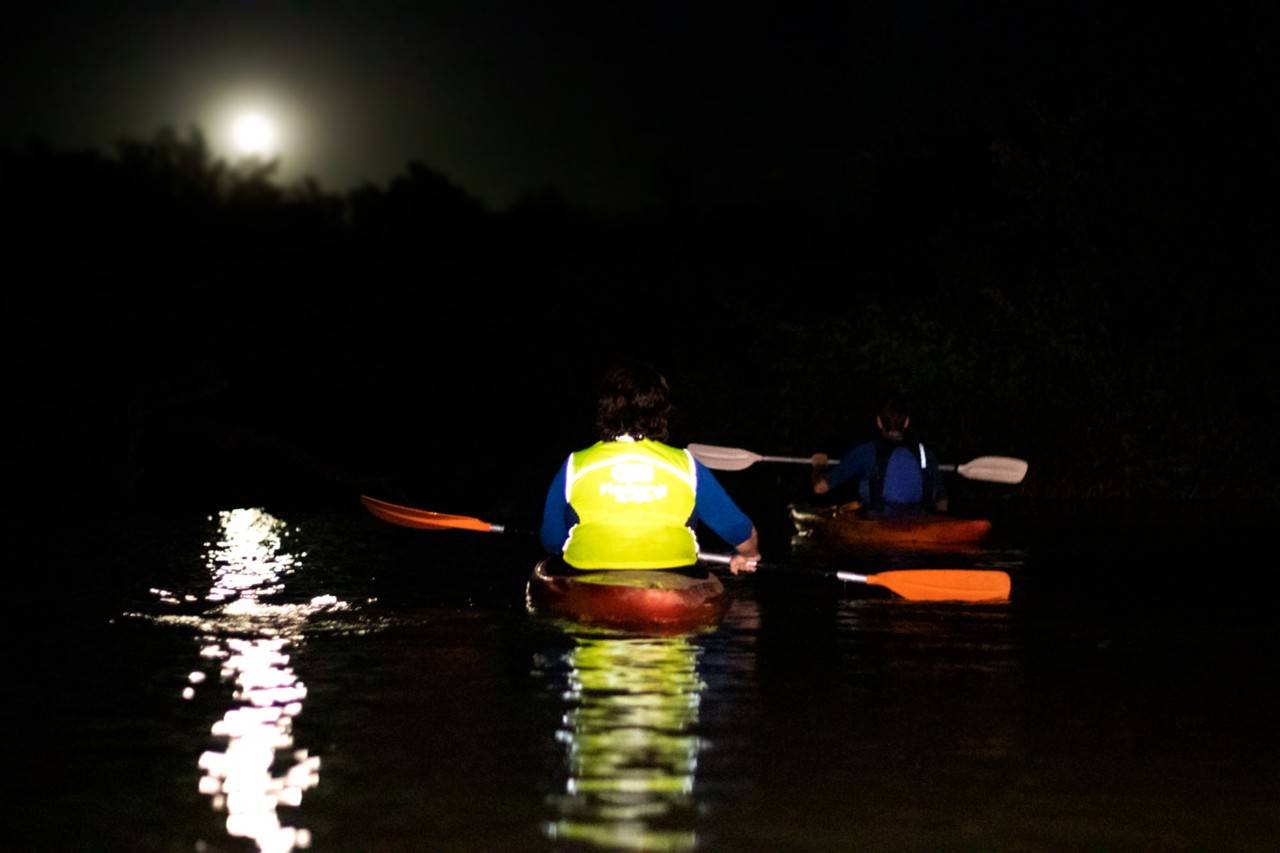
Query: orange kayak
pixel 651 601
pixel 844 524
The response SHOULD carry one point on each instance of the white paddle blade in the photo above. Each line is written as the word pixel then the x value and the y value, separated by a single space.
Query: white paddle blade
pixel 994 469
pixel 723 458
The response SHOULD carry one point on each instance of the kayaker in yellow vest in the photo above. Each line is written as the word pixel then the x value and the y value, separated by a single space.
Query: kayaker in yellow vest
pixel 629 501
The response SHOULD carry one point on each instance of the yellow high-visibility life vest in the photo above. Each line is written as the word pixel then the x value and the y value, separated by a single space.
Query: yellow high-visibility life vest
pixel 633 500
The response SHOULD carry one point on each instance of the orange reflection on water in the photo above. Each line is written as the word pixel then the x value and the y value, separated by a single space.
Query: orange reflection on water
pixel 630 754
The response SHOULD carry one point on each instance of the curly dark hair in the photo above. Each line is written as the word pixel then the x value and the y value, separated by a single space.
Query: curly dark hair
pixel 634 400
pixel 893 413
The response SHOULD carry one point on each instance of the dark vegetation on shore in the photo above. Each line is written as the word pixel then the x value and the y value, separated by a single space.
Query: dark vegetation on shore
pixel 1083 289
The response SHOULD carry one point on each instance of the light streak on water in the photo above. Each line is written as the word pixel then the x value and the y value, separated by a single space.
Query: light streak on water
pixel 251 639
pixel 631 756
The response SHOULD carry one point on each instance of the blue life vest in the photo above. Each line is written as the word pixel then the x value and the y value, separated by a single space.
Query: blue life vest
pixel 901 477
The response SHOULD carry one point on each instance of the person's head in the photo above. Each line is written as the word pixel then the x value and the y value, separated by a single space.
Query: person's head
pixel 893 417
pixel 634 400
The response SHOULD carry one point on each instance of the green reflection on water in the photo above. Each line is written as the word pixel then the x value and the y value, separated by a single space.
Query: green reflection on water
pixel 630 755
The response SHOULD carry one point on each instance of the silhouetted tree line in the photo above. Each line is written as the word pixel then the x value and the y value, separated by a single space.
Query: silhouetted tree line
pixel 1075 289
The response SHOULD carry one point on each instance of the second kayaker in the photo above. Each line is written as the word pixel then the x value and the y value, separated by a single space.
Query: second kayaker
pixel 630 501
pixel 895 475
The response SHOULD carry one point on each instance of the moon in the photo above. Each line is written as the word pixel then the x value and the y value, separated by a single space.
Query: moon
pixel 254 134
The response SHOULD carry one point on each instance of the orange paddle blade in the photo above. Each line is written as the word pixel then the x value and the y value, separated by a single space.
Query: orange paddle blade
pixel 407 516
pixel 945 584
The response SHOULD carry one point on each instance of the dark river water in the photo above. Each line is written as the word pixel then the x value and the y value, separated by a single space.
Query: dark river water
pixel 249 681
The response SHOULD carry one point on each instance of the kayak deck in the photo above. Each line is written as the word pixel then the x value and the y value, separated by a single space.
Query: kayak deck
pixel 845 525
pixel 652 601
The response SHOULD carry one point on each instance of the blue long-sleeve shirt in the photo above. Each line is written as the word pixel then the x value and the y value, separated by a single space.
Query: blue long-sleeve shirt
pixel 858 464
pixel 713 507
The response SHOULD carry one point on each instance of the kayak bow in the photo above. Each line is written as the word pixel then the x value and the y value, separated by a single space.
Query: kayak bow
pixel 842 525
pixel 654 600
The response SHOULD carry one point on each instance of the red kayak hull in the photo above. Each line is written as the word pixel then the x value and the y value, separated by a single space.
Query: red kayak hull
pixel 651 601
pixel 837 524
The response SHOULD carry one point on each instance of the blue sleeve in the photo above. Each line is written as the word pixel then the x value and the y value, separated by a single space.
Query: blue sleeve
pixel 557 515
pixel 856 465
pixel 717 510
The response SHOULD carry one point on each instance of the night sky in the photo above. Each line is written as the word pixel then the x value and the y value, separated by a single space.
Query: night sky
pixel 611 103
pixel 1053 224
pixel 504 97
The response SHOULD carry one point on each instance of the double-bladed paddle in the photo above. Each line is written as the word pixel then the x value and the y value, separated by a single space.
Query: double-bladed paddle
pixel 992 469
pixel 421 519
pixel 914 584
